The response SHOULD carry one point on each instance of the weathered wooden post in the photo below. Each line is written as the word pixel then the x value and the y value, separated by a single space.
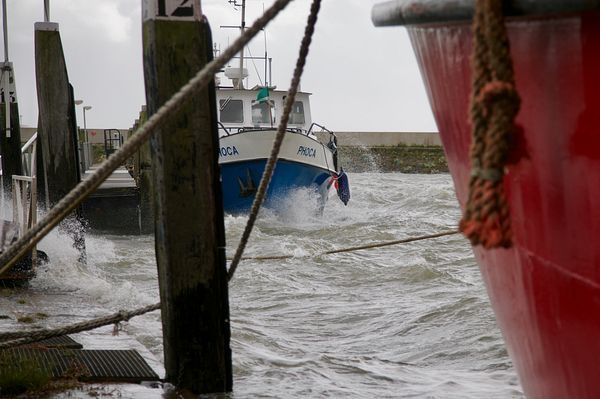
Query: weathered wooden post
pixel 57 128
pixel 189 230
pixel 10 139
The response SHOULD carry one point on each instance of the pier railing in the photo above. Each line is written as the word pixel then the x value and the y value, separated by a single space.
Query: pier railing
pixel 28 153
pixel 86 156
pixel 24 193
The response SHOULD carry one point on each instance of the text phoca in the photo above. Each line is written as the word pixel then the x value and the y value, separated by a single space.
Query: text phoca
pixel 307 151
pixel 228 151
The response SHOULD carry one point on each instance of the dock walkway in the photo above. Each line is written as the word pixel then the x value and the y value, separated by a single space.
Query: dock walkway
pixel 120 178
pixel 114 206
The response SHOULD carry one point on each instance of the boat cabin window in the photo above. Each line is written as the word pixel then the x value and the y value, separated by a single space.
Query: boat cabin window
pixel 297 114
pixel 263 112
pixel 232 111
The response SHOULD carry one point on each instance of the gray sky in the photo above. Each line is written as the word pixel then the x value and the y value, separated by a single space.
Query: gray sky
pixel 362 78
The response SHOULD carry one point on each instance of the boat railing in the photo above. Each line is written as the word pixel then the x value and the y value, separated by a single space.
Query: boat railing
pixel 331 144
pixel 222 126
pixel 417 12
pixel 323 129
pixel 261 129
pixel 332 137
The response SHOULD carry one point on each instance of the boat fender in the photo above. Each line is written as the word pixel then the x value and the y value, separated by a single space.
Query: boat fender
pixel 342 186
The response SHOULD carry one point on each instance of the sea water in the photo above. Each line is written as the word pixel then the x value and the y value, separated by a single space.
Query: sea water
pixel 404 321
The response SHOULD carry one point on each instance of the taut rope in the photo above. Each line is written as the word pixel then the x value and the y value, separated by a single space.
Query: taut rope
pixel 28 337
pixel 17 338
pixel 357 248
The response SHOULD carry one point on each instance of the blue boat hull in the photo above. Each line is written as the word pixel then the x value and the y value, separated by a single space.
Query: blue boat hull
pixel 241 179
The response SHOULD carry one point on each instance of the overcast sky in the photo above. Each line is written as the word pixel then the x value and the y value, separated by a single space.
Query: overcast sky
pixel 362 78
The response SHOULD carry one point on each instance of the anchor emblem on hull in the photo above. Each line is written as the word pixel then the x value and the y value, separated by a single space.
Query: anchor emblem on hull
pixel 248 187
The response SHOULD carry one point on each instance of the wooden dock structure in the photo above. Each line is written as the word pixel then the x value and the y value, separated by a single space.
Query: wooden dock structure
pixel 114 207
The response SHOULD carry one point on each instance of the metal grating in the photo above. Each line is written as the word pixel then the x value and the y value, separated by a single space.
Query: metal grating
pixel 121 365
pixel 64 342
pixel 88 365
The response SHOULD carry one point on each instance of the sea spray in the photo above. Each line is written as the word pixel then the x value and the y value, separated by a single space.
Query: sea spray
pixel 410 320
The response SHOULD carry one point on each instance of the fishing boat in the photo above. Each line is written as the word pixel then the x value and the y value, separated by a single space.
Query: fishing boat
pixel 248 120
pixel 544 280
pixel 247 130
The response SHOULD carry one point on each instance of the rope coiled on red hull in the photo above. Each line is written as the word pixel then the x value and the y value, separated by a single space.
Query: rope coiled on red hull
pixel 494 106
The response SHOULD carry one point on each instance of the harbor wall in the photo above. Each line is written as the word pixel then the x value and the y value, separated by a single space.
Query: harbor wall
pixel 398 158
pixel 377 139
pixel 406 152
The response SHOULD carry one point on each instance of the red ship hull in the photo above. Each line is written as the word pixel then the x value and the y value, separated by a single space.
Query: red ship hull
pixel 545 290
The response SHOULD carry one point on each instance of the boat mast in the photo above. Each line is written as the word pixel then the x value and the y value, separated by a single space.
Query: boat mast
pixel 242 28
pixel 46 11
pixel 6 72
pixel 265 35
pixel 5 28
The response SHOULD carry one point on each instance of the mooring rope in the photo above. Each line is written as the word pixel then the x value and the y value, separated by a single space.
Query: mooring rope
pixel 17 338
pixel 281 129
pixel 28 337
pixel 70 201
pixel 357 248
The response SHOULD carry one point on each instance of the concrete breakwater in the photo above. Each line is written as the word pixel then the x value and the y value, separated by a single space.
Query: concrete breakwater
pixel 400 158
pixel 406 152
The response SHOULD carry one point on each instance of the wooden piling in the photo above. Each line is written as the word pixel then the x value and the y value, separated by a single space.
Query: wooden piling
pixel 57 127
pixel 10 140
pixel 189 228
pixel 145 181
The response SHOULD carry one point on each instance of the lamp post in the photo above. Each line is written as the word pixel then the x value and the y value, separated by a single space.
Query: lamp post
pixel 78 102
pixel 46 10
pixel 86 108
